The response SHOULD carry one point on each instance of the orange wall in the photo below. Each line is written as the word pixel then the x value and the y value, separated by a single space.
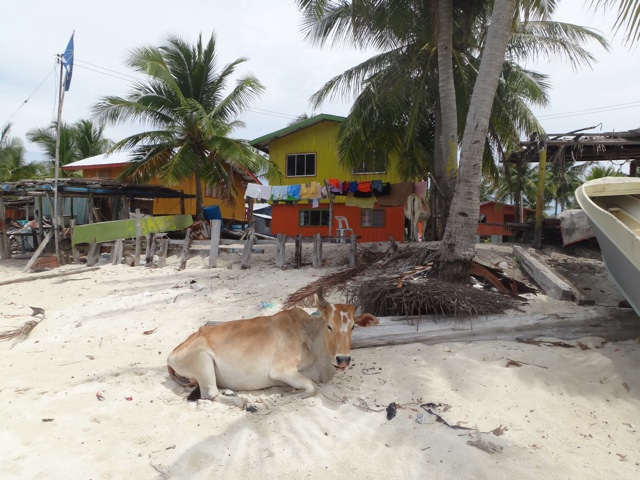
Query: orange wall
pixel 285 220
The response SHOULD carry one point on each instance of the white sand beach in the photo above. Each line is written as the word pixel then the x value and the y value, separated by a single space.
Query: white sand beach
pixel 87 394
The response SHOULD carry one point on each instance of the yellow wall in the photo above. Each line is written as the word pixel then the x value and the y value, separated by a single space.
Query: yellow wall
pixel 321 139
pixel 170 206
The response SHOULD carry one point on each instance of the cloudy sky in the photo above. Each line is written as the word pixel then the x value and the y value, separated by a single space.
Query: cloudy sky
pixel 267 33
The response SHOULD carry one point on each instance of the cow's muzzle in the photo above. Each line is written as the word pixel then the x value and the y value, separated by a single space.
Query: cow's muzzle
pixel 342 362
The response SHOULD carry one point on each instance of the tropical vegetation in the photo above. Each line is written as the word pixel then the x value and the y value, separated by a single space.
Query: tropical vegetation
pixel 183 102
pixel 13 166
pixel 78 141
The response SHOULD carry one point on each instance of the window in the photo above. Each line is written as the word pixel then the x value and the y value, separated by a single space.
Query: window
pixel 313 218
pixel 369 166
pixel 372 218
pixel 301 165
pixel 213 192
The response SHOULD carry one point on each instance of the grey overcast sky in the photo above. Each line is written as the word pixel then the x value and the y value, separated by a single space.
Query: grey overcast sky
pixel 267 33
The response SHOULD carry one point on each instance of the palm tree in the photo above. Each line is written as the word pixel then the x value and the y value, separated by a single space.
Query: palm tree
pixel 81 140
pixel 405 102
pixel 13 166
pixel 183 100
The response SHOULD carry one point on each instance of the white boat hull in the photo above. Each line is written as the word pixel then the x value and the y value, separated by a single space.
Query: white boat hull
pixel 612 205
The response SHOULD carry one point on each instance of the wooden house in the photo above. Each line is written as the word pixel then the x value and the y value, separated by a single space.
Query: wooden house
pixel 307 152
pixel 110 166
pixel 494 220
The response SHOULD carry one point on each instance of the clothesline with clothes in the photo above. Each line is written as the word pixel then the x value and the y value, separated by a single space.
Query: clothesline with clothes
pixel 363 194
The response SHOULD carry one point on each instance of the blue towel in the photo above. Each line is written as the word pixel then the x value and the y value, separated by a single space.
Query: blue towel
pixel 293 192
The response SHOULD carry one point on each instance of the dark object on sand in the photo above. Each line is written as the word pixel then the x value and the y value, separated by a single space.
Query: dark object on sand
pixel 392 409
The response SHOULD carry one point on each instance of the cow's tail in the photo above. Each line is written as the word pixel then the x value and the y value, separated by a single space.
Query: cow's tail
pixel 185 382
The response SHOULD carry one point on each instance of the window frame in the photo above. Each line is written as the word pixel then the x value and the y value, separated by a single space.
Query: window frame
pixel 295 155
pixel 368 217
pixel 322 214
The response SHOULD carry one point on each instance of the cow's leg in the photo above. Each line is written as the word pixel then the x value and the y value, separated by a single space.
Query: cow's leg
pixel 296 380
pixel 200 366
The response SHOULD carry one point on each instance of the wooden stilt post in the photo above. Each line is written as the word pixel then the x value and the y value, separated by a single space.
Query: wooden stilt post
pixel 353 248
pixel 317 250
pixel 136 259
pixel 116 253
pixel 215 243
pixel 185 250
pixel 164 249
pixel 74 250
pixel 151 250
pixel 5 250
pixel 280 247
pixel 297 257
pixel 248 246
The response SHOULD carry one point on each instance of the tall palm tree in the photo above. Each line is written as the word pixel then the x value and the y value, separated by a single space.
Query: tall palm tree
pixel 81 140
pixel 406 97
pixel 183 99
pixel 13 166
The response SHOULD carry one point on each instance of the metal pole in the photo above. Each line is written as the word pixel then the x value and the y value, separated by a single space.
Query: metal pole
pixel 56 226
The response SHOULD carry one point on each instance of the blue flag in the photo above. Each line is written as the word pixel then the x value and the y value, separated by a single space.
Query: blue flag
pixel 67 62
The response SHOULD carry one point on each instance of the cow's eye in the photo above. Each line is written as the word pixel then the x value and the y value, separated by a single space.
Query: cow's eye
pixel 329 327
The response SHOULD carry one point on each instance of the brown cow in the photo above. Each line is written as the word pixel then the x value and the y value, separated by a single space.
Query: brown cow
pixel 416 209
pixel 291 347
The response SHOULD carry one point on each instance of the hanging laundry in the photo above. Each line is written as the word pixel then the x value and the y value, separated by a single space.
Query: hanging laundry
pixel 420 189
pixel 364 186
pixel 353 187
pixel 353 201
pixel 265 192
pixel 252 191
pixel 293 192
pixel 309 191
pixel 279 192
pixel 376 187
pixel 335 186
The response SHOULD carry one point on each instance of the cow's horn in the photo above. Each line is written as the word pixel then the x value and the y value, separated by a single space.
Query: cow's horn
pixel 321 299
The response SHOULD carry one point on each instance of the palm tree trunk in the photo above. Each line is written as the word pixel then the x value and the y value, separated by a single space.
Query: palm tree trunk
pixel 457 248
pixel 199 197
pixel 448 138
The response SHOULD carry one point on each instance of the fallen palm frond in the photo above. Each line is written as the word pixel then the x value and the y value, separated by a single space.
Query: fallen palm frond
pixel 395 282
pixel 392 296
pixel 19 334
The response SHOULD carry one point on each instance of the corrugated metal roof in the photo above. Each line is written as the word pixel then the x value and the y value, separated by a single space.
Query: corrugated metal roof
pixel 115 158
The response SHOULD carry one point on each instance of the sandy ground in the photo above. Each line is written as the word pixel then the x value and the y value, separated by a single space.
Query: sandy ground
pixel 562 413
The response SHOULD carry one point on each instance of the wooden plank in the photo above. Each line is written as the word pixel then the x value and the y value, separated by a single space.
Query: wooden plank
pixel 38 251
pixel 122 229
pixel 5 249
pixel 317 250
pixel 550 282
pixel 248 247
pixel 185 250
pixel 136 257
pixel 611 323
pixel 63 273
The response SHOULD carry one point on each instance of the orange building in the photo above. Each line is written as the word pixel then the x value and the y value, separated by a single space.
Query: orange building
pixel 494 216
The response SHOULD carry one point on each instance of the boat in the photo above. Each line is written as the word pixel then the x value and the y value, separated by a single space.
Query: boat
pixel 612 205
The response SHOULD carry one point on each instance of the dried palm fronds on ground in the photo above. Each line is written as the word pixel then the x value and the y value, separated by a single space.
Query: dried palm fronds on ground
pixel 395 283
pixel 21 333
pixel 392 297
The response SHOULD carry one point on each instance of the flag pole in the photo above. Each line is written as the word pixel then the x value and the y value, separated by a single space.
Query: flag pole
pixel 56 226
pixel 66 63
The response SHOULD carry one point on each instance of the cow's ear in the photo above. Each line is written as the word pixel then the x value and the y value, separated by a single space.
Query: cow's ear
pixel 367 320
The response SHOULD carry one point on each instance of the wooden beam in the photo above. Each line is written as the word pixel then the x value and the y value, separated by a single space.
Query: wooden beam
pixel 615 324
pixel 549 281
pixel 5 249
pixel 215 243
pixel 280 248
pixel 38 251
pixel 317 250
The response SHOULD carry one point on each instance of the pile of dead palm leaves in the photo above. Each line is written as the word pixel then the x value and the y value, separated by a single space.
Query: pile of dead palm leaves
pixel 394 281
pixel 21 333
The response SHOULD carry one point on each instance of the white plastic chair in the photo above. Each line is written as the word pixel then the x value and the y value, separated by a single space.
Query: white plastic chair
pixel 343 227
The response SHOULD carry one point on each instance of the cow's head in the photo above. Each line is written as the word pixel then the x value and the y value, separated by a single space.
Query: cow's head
pixel 341 320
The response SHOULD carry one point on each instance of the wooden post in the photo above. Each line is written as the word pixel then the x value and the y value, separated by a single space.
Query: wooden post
pixel 37 253
pixel 185 250
pixel 116 252
pixel 74 249
pixel 136 258
pixel 164 248
pixel 151 250
pixel 330 197
pixel 317 250
pixel 352 249
pixel 215 243
pixel 542 166
pixel 248 246
pixel 5 250
pixel 280 247
pixel 39 219
pixel 297 256
pixel 93 255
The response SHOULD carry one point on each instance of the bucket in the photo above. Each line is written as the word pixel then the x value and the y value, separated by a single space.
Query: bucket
pixel 212 212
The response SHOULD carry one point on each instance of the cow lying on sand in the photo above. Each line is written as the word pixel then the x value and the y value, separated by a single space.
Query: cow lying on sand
pixel 291 347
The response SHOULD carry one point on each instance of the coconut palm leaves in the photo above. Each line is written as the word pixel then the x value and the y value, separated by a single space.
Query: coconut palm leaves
pixel 183 99
pixel 13 166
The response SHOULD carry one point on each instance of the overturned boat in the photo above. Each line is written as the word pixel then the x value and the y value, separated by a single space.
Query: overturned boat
pixel 612 205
